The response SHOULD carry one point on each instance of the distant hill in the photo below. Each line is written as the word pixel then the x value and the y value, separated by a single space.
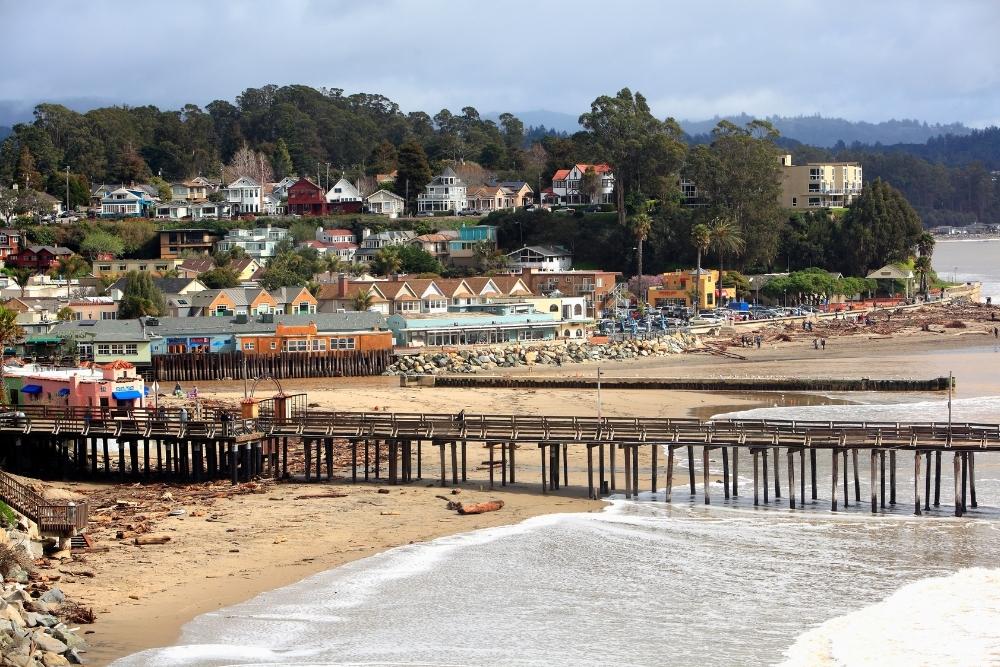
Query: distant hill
pixel 826 132
pixel 551 120
pixel 812 130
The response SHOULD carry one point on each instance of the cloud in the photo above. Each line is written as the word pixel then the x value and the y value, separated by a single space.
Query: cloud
pixel 934 61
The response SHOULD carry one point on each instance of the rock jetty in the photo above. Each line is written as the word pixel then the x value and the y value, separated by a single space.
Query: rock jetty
pixel 32 632
pixel 480 359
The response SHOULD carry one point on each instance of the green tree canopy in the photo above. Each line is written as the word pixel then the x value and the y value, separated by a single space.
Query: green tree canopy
pixel 221 277
pixel 879 228
pixel 140 297
pixel 413 173
pixel 100 242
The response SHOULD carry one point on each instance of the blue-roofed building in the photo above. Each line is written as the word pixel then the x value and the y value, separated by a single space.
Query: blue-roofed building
pixel 127 203
pixel 462 251
pixel 471 328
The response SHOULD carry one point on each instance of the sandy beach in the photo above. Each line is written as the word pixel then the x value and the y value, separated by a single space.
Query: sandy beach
pixel 228 548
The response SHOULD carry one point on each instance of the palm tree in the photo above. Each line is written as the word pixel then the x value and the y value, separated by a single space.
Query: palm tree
pixel 387 261
pixel 21 276
pixel 362 301
pixel 10 333
pixel 701 238
pixel 70 267
pixel 725 236
pixel 922 267
pixel 641 224
pixel 925 246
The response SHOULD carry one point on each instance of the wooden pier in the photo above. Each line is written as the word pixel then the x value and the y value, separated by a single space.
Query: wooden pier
pixel 74 442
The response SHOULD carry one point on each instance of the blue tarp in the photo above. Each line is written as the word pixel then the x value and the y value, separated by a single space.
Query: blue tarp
pixel 31 389
pixel 126 395
pixel 64 391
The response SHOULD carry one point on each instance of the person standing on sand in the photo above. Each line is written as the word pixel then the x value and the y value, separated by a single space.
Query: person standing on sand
pixel 996 332
pixel 823 343
pixel 815 343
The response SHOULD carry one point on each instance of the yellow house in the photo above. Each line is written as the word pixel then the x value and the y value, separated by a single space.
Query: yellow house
pixel 155 267
pixel 679 287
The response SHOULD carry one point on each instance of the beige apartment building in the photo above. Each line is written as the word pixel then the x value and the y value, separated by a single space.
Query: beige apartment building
pixel 819 184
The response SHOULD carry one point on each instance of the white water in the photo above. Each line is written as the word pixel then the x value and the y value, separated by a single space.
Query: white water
pixel 649 583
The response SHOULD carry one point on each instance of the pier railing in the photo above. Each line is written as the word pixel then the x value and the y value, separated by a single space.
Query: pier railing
pixel 62 516
pixel 212 425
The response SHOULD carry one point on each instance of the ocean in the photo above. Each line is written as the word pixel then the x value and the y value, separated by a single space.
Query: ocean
pixel 650 583
pixel 970 259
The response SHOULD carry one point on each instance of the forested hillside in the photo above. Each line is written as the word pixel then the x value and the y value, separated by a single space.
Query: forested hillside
pixel 300 130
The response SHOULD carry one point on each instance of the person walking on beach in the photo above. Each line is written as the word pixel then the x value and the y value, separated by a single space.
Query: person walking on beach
pixel 823 343
pixel 183 415
pixel 760 339
pixel 996 332
pixel 815 343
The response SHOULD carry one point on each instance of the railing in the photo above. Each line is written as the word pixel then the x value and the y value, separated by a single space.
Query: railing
pixel 50 515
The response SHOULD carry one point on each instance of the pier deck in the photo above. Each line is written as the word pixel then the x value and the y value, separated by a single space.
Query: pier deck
pixel 75 442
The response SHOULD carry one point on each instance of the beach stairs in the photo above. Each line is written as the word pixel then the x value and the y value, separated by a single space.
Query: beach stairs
pixel 55 519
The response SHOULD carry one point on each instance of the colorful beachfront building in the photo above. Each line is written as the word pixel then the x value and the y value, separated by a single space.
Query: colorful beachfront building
pixel 115 385
pixel 679 289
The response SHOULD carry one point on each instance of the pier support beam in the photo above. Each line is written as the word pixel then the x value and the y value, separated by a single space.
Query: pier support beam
pixel 763 462
pixel 670 472
pixel 958 482
pixel 736 471
pixel 916 483
pixel 704 473
pixel 725 471
pixel 874 489
pixel 756 498
pixel 691 468
pixel 833 465
pixel 791 478
pixel 972 479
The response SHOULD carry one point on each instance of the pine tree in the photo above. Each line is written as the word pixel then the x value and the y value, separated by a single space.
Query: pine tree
pixel 140 297
pixel 281 161
pixel 413 172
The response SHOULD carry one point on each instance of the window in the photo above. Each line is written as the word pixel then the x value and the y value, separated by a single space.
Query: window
pixel 274 345
pixel 295 345
pixel 121 349
pixel 319 345
pixel 408 306
pixel 220 310
pixel 108 316
pixel 342 343
pixel 553 308
pixel 248 346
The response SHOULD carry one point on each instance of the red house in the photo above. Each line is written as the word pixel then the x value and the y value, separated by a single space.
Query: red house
pixel 39 258
pixel 10 243
pixel 306 198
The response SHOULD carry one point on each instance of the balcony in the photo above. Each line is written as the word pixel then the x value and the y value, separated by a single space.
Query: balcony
pixel 585 287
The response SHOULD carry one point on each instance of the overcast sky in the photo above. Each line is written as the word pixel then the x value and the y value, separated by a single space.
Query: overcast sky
pixel 873 60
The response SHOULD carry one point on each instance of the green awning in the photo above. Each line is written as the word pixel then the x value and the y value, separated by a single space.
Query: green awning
pixel 43 340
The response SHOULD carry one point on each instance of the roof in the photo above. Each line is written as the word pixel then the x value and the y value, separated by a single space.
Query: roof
pixel 55 250
pixel 436 321
pixel 544 250
pixel 449 172
pixel 287 294
pixel 331 291
pixel 560 174
pixel 339 232
pixel 165 285
pixel 435 238
pixel 386 193
pixel 508 284
pixel 198 265
pixel 132 330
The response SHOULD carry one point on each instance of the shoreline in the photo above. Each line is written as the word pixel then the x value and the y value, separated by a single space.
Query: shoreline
pixel 230 549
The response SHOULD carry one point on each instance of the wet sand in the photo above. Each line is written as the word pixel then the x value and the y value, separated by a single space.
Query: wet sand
pixel 242 546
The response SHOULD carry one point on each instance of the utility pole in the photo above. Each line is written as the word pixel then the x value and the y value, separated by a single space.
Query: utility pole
pixel 406 202
pixel 67 189
pixel 327 176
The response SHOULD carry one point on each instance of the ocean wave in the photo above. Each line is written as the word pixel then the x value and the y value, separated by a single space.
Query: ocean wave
pixel 978 409
pixel 949 620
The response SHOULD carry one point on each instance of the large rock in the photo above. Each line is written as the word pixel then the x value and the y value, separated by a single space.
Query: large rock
pixel 54 660
pixel 53 595
pixel 48 643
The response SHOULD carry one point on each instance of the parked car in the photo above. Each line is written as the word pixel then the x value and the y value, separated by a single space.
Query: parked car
pixel 425 214
pixel 592 209
pixel 470 211
pixel 563 210
pixel 530 207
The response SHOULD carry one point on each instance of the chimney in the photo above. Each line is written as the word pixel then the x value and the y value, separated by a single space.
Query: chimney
pixel 342 285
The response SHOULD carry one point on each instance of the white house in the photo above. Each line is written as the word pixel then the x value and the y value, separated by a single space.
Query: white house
pixel 334 235
pixel 209 211
pixel 566 186
pixel 280 189
pixel 258 243
pixel 446 192
pixel 372 243
pixel 540 258
pixel 387 203
pixel 343 191
pixel 175 210
pixel 244 196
